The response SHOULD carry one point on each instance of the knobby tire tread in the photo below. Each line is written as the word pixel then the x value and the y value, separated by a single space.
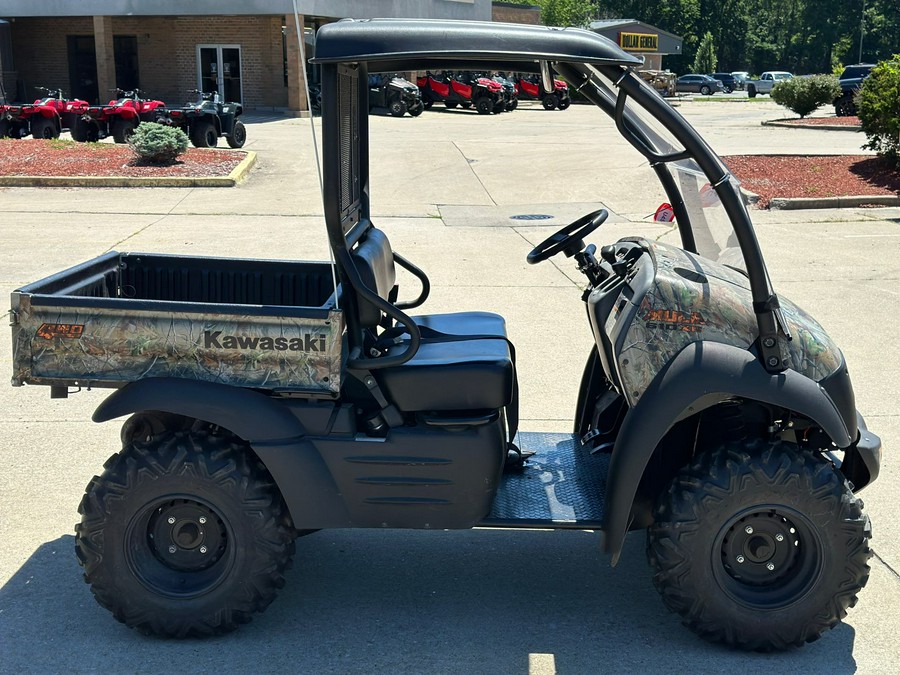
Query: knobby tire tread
pixel 222 463
pixel 716 476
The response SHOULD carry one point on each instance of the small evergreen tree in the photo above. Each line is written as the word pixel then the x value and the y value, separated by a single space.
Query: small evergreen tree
pixel 706 61
pixel 157 143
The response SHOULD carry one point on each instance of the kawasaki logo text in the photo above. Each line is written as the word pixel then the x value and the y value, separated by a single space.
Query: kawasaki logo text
pixel 307 343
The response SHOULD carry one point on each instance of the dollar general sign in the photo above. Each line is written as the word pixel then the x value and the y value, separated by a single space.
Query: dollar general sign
pixel 639 42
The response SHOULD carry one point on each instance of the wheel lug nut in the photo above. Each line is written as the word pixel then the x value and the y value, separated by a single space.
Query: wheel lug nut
pixel 171 520
pixel 202 519
pixel 740 558
pixel 203 549
pixel 779 537
pixel 172 549
pixel 748 530
pixel 770 566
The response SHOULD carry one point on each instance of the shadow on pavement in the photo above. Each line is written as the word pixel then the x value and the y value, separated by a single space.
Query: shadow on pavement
pixel 402 601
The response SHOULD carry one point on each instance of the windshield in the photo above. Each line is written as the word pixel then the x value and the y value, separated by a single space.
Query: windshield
pixel 713 233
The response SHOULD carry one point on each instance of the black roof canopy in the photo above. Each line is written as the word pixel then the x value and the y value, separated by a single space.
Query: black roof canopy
pixel 417 44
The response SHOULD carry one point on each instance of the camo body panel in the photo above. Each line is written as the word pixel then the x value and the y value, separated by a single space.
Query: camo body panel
pixel 677 311
pixel 61 345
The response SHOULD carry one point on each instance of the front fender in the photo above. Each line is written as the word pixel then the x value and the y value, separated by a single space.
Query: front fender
pixel 700 376
pixel 253 416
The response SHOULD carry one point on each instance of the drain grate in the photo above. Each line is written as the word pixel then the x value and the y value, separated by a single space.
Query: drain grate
pixel 531 216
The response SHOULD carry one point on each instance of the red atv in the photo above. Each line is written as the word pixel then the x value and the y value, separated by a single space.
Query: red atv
pixel 45 118
pixel 117 119
pixel 530 89
pixel 486 95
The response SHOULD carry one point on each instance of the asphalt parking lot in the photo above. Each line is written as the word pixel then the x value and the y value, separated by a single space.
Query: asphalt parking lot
pixel 444 187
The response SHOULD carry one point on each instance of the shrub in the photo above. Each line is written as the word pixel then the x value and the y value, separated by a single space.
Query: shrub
pixel 878 106
pixel 157 143
pixel 802 95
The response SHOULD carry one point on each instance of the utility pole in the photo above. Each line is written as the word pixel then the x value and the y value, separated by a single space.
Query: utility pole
pixel 862 29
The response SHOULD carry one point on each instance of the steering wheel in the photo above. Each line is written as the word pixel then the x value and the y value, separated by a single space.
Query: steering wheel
pixel 569 239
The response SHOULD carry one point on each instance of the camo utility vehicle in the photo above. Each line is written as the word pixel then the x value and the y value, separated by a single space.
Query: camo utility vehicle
pixel 267 401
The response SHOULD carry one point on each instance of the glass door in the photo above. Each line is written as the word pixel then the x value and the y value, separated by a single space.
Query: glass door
pixel 219 70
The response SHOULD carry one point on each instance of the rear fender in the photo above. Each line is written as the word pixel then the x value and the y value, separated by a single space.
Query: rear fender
pixel 274 433
pixel 700 376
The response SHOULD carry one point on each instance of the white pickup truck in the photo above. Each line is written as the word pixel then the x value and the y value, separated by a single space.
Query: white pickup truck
pixel 766 82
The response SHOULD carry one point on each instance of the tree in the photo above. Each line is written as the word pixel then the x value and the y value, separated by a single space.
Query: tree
pixel 566 12
pixel 706 60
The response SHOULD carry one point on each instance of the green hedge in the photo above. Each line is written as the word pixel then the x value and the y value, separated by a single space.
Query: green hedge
pixel 878 106
pixel 802 95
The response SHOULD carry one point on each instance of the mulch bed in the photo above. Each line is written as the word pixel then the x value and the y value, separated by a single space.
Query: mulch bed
pixel 822 121
pixel 789 176
pixel 29 157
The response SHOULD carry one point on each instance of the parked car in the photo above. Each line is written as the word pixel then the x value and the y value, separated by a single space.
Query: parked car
pixel 698 84
pixel 729 81
pixel 851 80
pixel 766 82
pixel 740 78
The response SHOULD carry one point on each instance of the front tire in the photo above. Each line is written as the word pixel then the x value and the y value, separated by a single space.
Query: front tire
pixel 397 108
pixel 484 105
pixel 550 101
pixel 238 135
pixel 706 91
pixel 759 546
pixel 184 535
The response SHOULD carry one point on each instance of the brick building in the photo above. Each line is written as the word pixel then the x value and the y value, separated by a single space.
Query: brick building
pixel 248 50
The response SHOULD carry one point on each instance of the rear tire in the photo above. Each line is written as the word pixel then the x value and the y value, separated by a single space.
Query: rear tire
pixel 85 132
pixel 844 106
pixel 238 135
pixel 122 130
pixel 751 91
pixel 4 128
pixel 203 134
pixel 44 128
pixel 184 535
pixel 759 545
pixel 450 104
pixel 550 101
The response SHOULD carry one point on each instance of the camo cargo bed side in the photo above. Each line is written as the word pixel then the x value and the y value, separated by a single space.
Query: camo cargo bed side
pixel 69 339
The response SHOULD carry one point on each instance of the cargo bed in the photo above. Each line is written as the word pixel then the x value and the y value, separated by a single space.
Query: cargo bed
pixel 122 317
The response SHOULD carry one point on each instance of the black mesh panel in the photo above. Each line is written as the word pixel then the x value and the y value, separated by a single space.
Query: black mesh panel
pixel 349 143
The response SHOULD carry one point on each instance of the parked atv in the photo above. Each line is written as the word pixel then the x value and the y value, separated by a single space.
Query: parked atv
pixel 267 400
pixel 529 89
pixel 119 118
pixel 395 93
pixel 45 118
pixel 509 90
pixel 462 90
pixel 208 118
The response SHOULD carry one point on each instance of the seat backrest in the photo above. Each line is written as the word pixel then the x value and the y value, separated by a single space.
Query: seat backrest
pixel 374 260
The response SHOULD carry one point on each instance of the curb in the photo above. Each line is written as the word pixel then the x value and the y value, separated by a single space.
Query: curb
pixel 797 203
pixel 826 127
pixel 785 203
pixel 237 175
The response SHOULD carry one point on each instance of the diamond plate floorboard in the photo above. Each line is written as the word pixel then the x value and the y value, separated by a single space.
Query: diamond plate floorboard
pixel 561 484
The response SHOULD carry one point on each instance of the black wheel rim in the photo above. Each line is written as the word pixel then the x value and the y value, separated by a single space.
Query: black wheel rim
pixel 768 557
pixel 179 547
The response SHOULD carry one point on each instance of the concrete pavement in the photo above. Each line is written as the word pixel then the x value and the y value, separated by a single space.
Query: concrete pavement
pixel 443 187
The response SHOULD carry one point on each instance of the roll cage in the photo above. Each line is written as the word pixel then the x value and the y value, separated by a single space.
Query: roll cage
pixel 346 49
